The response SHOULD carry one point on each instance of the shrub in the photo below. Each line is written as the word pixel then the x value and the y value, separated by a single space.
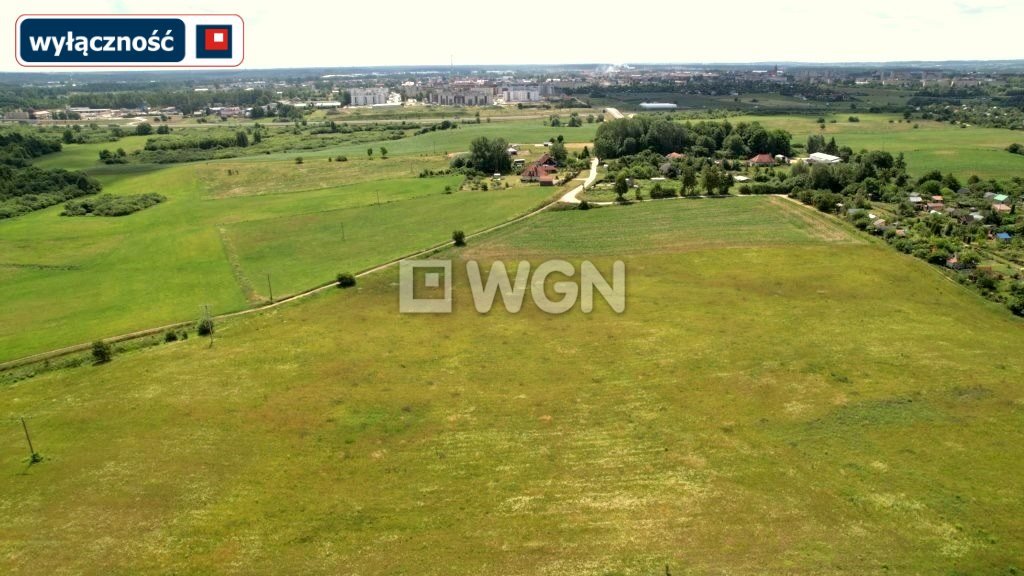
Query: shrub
pixel 205 327
pixel 659 192
pixel 102 352
pixel 346 280
pixel 584 205
pixel 341 158
pixel 170 336
pixel 1016 305
pixel 298 159
pixel 110 205
pixel 459 237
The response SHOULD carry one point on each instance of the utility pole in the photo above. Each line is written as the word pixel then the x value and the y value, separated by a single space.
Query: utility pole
pixel 32 451
pixel 270 288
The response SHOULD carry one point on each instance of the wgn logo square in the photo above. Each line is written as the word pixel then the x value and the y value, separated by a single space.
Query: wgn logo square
pixel 429 274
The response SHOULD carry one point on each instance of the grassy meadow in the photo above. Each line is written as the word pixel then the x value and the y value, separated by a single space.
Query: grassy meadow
pixel 931 146
pixel 227 224
pixel 780 396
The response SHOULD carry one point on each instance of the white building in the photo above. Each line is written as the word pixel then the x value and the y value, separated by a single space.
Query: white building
pixel 368 96
pixel 657 106
pixel 463 96
pixel 822 158
pixel 520 93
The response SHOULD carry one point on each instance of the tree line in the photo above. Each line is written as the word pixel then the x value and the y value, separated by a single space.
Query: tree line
pixel 25 188
pixel 628 136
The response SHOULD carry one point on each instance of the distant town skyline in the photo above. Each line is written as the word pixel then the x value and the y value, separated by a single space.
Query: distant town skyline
pixel 420 33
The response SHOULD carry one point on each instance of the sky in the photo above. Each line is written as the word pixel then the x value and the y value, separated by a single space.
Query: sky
pixel 324 33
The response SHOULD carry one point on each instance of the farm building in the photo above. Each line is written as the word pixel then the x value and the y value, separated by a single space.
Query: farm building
pixel 657 106
pixel 822 158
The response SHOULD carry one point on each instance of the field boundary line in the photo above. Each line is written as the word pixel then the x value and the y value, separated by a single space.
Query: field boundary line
pixel 243 281
pixel 57 353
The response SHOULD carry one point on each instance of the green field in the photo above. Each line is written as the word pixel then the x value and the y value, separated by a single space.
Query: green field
pixel 72 280
pixel 931 146
pixel 780 396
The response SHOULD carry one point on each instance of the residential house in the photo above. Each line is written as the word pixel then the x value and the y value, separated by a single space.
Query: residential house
pixel 537 172
pixel 1003 208
pixel 1004 237
pixel 762 160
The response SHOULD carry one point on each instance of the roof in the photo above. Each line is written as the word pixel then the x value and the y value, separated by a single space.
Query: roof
pixel 535 170
pixel 1001 208
pixel 1003 235
pixel 545 159
pixel 674 155
pixel 824 158
pixel 1000 197
pixel 763 159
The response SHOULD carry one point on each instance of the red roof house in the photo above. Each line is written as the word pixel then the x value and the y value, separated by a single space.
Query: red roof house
pixel 762 160
pixel 535 172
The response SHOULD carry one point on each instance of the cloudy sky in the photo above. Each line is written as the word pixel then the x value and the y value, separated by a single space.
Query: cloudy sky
pixel 353 33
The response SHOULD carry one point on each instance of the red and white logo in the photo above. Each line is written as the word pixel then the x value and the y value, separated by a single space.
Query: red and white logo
pixel 217 39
